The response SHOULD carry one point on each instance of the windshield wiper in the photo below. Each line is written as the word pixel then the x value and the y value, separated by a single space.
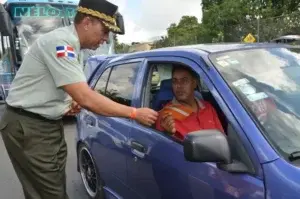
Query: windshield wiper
pixel 294 156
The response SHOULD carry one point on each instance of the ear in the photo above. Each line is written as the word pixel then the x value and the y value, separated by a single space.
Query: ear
pixel 86 21
pixel 194 84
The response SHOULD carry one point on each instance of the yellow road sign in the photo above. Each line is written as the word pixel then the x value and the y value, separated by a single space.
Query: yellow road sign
pixel 249 38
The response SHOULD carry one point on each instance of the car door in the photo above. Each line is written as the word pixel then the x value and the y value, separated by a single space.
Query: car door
pixel 110 134
pixel 157 167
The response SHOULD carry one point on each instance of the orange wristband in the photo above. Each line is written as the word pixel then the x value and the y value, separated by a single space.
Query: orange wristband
pixel 133 114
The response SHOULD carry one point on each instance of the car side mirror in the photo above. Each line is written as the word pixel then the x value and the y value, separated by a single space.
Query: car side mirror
pixel 5 21
pixel 120 23
pixel 206 146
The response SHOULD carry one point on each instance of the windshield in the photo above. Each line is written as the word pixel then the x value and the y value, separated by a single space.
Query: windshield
pixel 267 82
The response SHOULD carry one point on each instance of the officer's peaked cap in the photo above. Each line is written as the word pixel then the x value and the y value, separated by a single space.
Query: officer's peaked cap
pixel 101 9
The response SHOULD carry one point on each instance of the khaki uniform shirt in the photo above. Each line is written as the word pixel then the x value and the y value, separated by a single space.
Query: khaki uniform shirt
pixel 53 61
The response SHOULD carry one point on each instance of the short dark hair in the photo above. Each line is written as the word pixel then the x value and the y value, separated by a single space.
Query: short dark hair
pixel 79 17
pixel 185 68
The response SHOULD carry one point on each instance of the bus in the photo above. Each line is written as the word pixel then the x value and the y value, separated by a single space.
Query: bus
pixel 23 21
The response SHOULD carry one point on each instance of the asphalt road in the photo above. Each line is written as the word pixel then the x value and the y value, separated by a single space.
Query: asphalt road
pixel 10 187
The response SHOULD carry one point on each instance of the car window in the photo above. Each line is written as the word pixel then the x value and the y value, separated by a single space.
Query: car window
pixel 121 83
pixel 161 72
pixel 101 84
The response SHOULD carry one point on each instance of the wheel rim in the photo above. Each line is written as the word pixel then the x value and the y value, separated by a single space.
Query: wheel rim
pixel 88 172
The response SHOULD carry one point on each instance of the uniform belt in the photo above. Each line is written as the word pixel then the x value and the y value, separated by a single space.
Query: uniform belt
pixel 28 113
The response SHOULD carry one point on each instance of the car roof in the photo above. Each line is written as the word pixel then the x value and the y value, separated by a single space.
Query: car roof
pixel 219 47
pixel 196 50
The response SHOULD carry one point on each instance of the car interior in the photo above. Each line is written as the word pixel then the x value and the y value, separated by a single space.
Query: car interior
pixel 158 91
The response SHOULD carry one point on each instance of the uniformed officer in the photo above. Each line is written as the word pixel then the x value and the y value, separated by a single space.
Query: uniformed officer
pixel 50 77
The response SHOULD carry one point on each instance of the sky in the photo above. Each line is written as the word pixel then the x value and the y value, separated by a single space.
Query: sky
pixel 146 20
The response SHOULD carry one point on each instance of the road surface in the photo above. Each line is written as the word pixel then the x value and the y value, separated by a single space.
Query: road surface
pixel 10 187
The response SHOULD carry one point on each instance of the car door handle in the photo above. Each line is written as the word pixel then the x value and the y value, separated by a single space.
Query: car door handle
pixel 137 146
pixel 90 121
pixel 138 149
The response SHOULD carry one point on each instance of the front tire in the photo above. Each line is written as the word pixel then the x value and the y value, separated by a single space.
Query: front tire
pixel 89 174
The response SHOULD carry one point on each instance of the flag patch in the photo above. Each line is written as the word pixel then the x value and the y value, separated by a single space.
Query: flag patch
pixel 65 51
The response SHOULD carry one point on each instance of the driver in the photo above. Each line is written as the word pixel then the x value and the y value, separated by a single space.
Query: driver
pixel 185 113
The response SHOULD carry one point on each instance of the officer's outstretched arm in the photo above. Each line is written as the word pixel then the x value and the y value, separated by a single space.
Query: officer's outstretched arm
pixel 68 74
pixel 96 102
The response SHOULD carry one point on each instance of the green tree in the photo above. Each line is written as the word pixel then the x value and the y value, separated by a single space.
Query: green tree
pixel 120 47
pixel 162 42
pixel 185 32
pixel 232 20
pixel 208 3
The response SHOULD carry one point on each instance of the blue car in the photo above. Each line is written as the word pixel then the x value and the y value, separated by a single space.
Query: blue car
pixel 255 89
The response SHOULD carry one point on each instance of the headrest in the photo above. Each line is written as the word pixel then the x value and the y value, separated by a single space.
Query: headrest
pixel 166 84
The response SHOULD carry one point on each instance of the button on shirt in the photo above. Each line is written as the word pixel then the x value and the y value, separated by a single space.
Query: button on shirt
pixel 53 61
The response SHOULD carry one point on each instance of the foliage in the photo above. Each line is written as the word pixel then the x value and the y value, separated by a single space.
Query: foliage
pixel 120 47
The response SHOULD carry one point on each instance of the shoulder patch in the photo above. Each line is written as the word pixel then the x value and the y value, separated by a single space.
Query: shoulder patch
pixel 65 51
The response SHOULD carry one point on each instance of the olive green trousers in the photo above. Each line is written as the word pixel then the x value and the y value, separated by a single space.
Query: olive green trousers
pixel 37 149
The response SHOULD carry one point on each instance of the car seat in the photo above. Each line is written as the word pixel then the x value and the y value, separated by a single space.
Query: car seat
pixel 165 94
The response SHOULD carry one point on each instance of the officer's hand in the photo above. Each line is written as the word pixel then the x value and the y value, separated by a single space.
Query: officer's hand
pixel 146 116
pixel 167 122
pixel 74 109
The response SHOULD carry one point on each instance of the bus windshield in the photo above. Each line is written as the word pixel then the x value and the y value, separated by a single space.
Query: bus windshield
pixel 32 20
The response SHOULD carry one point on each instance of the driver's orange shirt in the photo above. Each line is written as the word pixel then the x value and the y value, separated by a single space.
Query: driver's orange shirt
pixel 187 121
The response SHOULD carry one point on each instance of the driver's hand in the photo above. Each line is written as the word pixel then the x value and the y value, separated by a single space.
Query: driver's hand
pixel 167 122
